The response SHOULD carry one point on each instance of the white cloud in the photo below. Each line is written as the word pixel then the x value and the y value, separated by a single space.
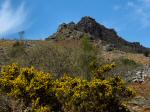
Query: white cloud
pixel 140 11
pixel 12 19
pixel 116 7
pixel 130 4
pixel 136 11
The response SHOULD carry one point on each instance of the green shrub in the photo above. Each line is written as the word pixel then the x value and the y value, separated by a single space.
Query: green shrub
pixel 17 50
pixel 128 62
pixel 19 43
pixel 88 57
pixel 146 53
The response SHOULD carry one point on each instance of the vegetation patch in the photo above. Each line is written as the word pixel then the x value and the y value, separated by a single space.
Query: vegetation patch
pixel 40 92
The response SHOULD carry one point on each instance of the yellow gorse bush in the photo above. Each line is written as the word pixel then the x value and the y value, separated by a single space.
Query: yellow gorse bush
pixel 8 74
pixel 98 95
pixel 43 93
pixel 99 71
pixel 27 84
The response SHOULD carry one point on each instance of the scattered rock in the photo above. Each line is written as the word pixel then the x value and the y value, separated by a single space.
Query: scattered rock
pixel 139 74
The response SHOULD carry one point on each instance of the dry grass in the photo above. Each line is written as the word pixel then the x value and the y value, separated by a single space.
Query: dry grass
pixel 139 58
pixel 142 89
pixel 143 95
pixel 4 43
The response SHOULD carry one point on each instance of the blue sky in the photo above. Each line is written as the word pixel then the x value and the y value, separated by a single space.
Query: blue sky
pixel 40 18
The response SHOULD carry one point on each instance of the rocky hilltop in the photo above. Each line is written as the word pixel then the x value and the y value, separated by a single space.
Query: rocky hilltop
pixel 96 31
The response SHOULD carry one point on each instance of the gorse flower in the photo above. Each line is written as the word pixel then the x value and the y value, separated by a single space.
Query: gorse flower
pixel 43 93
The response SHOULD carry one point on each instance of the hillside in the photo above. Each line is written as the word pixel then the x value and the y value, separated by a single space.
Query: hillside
pixel 63 55
pixel 70 51
pixel 96 31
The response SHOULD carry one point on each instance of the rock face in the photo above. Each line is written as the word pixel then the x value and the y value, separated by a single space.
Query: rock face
pixel 96 31
pixel 67 31
pixel 139 74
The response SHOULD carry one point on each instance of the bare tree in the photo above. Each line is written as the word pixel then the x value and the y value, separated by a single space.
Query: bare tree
pixel 21 35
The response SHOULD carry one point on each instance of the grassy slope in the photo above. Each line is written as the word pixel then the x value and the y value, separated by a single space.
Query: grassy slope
pixel 143 90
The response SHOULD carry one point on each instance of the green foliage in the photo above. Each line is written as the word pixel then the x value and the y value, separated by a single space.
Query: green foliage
pixel 43 93
pixel 146 53
pixel 18 43
pixel 88 57
pixel 61 37
pixel 129 62
pixel 17 50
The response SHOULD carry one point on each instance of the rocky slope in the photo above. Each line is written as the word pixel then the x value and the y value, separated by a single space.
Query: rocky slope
pixel 96 31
